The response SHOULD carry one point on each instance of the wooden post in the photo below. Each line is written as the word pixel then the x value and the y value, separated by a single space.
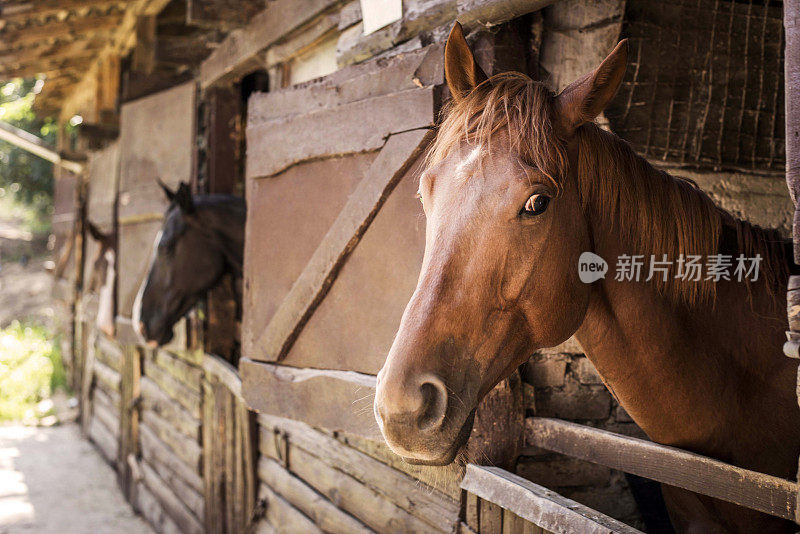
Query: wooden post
pixel 144 55
pixel 791 18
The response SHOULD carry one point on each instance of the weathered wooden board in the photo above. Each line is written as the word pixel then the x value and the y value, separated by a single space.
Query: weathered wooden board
pixel 103 175
pixel 420 500
pixel 238 53
pixel 156 141
pixel 325 514
pixel 230 435
pixel 337 400
pixel 153 510
pixel 370 507
pixel 396 157
pixel 157 452
pixel 185 396
pixel 400 72
pixel 287 217
pixel 157 401
pixel 187 449
pixel 275 145
pixel 188 375
pixel 173 505
pixel 371 290
pixel 535 503
pixel 104 439
pixel 765 493
pixel 281 517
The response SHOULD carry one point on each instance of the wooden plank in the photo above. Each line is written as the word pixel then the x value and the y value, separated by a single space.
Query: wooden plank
pixel 399 152
pixel 445 479
pixel 176 509
pixel 514 524
pixel 323 512
pixel 366 504
pixel 156 451
pixel 275 145
pixel 472 512
pixel 537 504
pixel 187 449
pixel 240 51
pixel 403 71
pixel 185 396
pixel 129 415
pixel 186 494
pixel 154 399
pixel 107 415
pixel 283 517
pixel 676 467
pixel 188 375
pixel 328 399
pixel 104 440
pixel 472 13
pixel 210 450
pixel 107 376
pixel 225 373
pixel 415 497
pixel 491 518
pixel 150 507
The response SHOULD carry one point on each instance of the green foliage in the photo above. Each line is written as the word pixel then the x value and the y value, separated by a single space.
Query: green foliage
pixel 30 370
pixel 32 175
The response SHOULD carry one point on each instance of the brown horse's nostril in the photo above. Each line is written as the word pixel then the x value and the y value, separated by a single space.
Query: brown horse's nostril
pixel 400 406
pixel 434 404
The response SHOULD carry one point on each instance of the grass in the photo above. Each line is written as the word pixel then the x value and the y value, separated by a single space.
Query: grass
pixel 31 370
pixel 33 217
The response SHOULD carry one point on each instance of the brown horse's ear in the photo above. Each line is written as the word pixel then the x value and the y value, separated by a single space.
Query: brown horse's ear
pixel 170 194
pixel 462 72
pixel 585 98
pixel 94 231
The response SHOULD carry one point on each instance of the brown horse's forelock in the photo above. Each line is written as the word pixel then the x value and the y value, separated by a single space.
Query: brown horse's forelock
pixel 655 212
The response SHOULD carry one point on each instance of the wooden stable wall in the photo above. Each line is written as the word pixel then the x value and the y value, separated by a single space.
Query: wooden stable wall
pixel 334 243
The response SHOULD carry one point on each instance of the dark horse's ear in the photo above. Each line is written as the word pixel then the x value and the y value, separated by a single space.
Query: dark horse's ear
pixel 183 198
pixel 587 97
pixel 94 231
pixel 167 191
pixel 462 72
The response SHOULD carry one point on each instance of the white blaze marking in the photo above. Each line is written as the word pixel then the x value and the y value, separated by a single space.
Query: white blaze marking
pixel 136 313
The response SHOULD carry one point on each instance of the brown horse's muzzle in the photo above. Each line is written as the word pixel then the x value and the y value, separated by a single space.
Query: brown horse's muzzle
pixel 420 417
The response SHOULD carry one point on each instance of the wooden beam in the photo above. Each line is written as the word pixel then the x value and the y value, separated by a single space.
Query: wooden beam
pixel 397 155
pixel 537 504
pixel 337 400
pixel 55 30
pixel 35 146
pixel 144 54
pixel 676 467
pixel 42 8
pixel 239 52
pixel 472 13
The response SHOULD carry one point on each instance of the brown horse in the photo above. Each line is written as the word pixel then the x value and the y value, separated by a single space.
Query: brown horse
pixel 519 184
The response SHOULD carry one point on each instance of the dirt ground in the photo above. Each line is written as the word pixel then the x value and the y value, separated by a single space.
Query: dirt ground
pixel 53 480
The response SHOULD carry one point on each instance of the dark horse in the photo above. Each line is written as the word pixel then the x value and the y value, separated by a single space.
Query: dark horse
pixel 519 184
pixel 201 241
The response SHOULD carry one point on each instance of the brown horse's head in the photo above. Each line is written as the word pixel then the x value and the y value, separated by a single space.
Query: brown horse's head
pixel 202 240
pixel 505 229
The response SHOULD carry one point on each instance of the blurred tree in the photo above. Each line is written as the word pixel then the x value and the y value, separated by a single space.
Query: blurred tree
pixel 28 177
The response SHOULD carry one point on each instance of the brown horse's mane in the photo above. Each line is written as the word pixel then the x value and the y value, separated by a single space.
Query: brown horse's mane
pixel 656 213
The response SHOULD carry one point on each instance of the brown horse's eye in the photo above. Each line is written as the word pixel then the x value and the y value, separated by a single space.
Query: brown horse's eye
pixel 536 205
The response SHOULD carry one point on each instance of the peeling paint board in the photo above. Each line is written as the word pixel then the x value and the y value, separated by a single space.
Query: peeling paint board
pixel 376 14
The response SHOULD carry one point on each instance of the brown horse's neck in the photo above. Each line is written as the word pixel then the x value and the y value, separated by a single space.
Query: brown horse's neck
pixel 709 377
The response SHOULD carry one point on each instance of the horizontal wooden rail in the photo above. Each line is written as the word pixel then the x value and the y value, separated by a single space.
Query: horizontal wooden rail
pixel 34 145
pixel 542 507
pixel 700 474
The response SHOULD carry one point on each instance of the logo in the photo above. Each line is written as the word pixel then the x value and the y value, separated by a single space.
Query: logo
pixel 591 267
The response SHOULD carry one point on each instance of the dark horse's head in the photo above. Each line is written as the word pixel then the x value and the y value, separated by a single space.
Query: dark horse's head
pixel 202 240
